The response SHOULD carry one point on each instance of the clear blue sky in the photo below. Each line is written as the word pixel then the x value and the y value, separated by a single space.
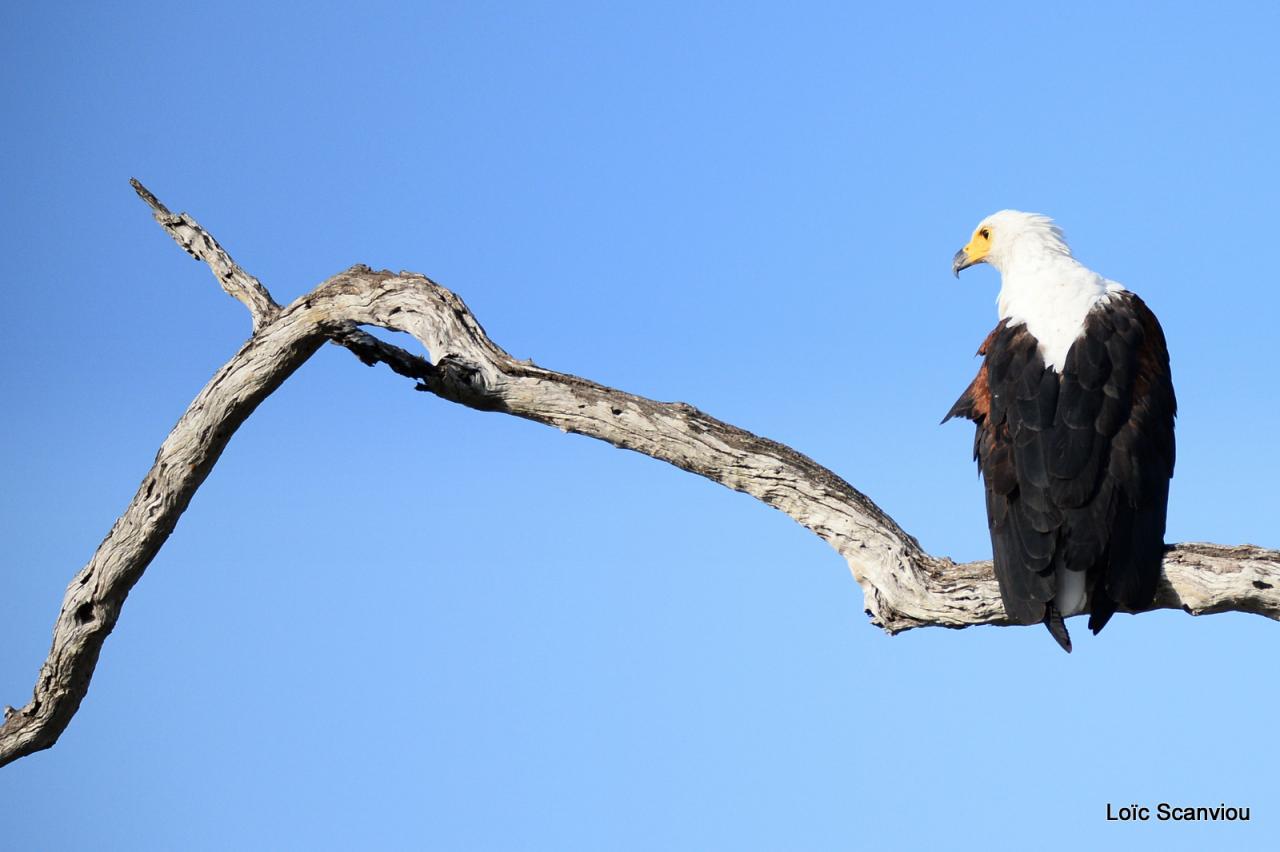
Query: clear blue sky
pixel 747 208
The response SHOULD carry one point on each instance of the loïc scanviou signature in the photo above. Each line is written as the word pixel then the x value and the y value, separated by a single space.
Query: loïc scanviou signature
pixel 1165 812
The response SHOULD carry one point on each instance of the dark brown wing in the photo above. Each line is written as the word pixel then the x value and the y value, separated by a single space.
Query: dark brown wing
pixel 1012 400
pixel 1139 464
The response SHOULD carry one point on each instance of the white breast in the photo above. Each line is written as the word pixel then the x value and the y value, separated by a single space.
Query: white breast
pixel 1053 299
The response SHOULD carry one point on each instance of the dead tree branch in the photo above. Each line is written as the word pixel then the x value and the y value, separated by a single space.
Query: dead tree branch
pixel 903 586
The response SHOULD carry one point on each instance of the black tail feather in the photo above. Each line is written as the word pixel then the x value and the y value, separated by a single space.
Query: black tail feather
pixel 1102 610
pixel 1057 627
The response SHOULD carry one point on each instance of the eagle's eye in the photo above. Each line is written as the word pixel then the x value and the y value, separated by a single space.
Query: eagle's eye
pixel 985 234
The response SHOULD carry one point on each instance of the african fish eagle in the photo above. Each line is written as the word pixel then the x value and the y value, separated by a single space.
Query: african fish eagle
pixel 1074 409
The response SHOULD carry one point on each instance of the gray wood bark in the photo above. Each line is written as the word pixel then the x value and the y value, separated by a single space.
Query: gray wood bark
pixel 903 586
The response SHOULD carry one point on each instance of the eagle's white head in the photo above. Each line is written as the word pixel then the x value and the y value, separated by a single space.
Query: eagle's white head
pixel 1041 284
pixel 1011 238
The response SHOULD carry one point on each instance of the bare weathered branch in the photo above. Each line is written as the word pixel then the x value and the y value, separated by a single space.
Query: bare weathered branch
pixel 903 586
pixel 250 292
pixel 201 245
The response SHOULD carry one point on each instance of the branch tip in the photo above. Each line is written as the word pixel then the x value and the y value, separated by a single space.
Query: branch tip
pixel 147 196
